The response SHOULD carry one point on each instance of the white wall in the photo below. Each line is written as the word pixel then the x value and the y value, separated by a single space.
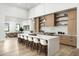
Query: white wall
pixel 12 21
pixel 7 10
pixel 29 22
pixel 47 8
pixel 12 25
pixel 37 11
pixel 2 33
pixel 8 13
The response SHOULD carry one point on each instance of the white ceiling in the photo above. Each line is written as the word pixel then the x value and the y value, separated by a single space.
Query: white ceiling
pixel 23 5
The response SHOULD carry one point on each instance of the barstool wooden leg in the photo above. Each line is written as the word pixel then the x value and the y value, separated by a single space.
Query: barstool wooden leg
pixel 23 41
pixel 40 49
pixel 19 40
pixel 37 47
pixel 31 45
pixel 45 48
pixel 26 43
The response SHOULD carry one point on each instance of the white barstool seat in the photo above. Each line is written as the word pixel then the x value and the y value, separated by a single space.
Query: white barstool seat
pixel 22 36
pixel 18 35
pixel 25 37
pixel 43 42
pixel 30 38
pixel 35 40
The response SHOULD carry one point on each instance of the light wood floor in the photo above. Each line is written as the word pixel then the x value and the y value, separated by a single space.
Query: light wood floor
pixel 11 47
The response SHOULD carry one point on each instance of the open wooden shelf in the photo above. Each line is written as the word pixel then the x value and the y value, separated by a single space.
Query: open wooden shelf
pixel 61 16
pixel 59 20
pixel 61 24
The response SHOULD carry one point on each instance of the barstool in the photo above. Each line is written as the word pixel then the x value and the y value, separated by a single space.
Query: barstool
pixel 44 46
pixel 36 43
pixel 25 40
pixel 22 38
pixel 30 42
pixel 18 35
pixel 19 38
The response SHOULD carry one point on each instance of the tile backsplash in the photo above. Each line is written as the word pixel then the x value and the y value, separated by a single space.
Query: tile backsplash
pixel 56 29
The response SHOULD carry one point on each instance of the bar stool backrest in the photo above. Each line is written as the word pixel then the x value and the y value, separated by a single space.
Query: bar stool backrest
pixel 22 36
pixel 18 35
pixel 25 37
pixel 30 38
pixel 43 42
pixel 36 40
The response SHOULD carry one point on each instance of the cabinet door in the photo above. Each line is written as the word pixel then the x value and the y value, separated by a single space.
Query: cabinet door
pixel 72 41
pixel 49 20
pixel 72 27
pixel 63 39
pixel 68 40
pixel 72 14
pixel 72 22
pixel 37 27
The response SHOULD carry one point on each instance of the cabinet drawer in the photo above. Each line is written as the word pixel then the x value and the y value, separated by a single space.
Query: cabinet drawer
pixel 63 40
pixel 68 40
pixel 72 27
pixel 72 41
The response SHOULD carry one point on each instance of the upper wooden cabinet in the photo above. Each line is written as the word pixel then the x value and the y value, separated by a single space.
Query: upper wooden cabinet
pixel 72 22
pixel 37 27
pixel 72 14
pixel 72 27
pixel 49 20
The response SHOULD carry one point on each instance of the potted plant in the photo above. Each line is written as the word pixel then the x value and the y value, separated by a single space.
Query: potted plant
pixel 21 29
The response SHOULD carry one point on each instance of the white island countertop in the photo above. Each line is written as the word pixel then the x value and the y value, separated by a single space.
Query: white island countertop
pixel 45 37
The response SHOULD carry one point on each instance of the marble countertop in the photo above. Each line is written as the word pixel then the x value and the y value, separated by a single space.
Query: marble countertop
pixel 45 37
pixel 64 35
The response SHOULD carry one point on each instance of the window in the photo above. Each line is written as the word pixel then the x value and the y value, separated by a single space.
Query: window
pixel 6 27
pixel 17 27
pixel 26 27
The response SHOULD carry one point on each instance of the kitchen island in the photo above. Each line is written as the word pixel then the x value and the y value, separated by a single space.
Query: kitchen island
pixel 53 43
